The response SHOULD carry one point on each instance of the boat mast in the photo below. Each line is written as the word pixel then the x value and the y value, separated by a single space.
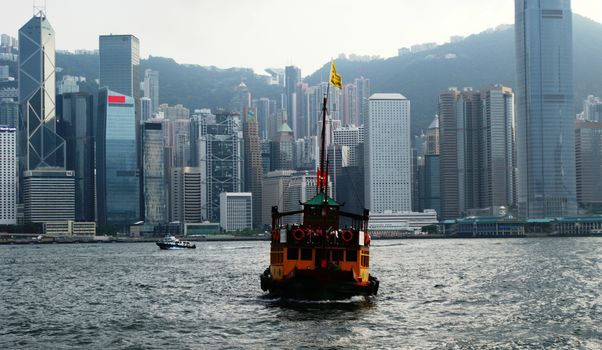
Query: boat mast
pixel 321 171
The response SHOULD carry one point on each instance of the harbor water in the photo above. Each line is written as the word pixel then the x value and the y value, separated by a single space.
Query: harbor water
pixel 447 293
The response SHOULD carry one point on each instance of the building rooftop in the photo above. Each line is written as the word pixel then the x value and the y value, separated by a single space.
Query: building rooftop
pixel 387 96
pixel 285 128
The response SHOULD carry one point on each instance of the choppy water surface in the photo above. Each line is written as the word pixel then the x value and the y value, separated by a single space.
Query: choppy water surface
pixel 511 293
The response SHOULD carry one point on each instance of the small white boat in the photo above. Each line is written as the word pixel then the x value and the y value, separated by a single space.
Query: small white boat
pixel 172 243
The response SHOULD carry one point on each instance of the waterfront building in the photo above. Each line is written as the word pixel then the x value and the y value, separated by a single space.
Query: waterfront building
pixel 545 138
pixel 588 159
pixel 236 211
pixel 221 155
pixel 69 228
pixel 151 89
pixel 48 194
pixel 8 172
pixel 186 191
pixel 120 69
pixel 388 171
pixel 153 165
pixel 497 172
pixel 429 186
pixel 120 72
pixel 117 186
pixel 459 122
pixel 253 166
pixel 39 145
pixel 393 223
pixel 74 113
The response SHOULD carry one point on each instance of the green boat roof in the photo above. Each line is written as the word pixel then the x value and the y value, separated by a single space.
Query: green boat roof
pixel 319 200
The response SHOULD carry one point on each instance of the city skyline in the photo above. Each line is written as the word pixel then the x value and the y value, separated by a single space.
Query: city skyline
pixel 253 36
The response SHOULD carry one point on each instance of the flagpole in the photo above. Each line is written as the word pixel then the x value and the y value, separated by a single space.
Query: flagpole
pixel 321 169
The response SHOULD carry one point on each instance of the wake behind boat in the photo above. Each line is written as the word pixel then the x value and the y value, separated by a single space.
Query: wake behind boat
pixel 172 243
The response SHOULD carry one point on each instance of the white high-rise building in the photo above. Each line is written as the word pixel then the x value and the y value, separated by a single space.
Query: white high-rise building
pixel 387 156
pixel 8 173
pixel 236 211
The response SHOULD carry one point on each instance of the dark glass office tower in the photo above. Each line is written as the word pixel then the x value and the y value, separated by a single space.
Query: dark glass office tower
pixel 39 145
pixel 120 72
pixel 75 125
pixel 544 108
pixel 117 186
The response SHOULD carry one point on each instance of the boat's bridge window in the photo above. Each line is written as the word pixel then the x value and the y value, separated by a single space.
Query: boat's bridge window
pixel 351 255
pixel 306 254
pixel 292 254
pixel 337 255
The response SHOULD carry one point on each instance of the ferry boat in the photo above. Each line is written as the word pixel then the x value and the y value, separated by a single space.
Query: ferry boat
pixel 320 257
pixel 172 243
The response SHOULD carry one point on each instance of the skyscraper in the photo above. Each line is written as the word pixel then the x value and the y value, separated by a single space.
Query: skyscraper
pixel 387 159
pixel 120 64
pixel 117 186
pixel 292 76
pixel 146 106
pixel 75 125
pixel 153 163
pixel 151 88
pixel 186 190
pixel 236 211
pixel 39 145
pixel 48 195
pixel 8 169
pixel 588 158
pixel 9 112
pixel 362 87
pixel 544 108
pixel 281 149
pixel 497 148
pixel 221 157
pixel 120 72
pixel 460 122
pixel 253 166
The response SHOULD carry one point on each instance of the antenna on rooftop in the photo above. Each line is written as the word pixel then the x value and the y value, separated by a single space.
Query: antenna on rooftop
pixel 39 10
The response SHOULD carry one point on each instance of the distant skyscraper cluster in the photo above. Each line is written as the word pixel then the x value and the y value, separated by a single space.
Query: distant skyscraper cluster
pixel 119 155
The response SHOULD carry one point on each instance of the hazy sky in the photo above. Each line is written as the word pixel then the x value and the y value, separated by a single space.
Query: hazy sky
pixel 268 33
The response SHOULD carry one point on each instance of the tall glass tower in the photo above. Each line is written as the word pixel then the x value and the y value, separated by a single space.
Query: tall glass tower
pixel 39 144
pixel 544 108
pixel 117 176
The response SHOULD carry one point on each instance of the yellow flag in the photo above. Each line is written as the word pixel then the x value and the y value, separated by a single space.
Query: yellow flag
pixel 335 79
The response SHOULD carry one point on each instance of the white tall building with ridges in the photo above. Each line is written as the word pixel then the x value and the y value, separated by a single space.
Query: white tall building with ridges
pixel 8 173
pixel 387 156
